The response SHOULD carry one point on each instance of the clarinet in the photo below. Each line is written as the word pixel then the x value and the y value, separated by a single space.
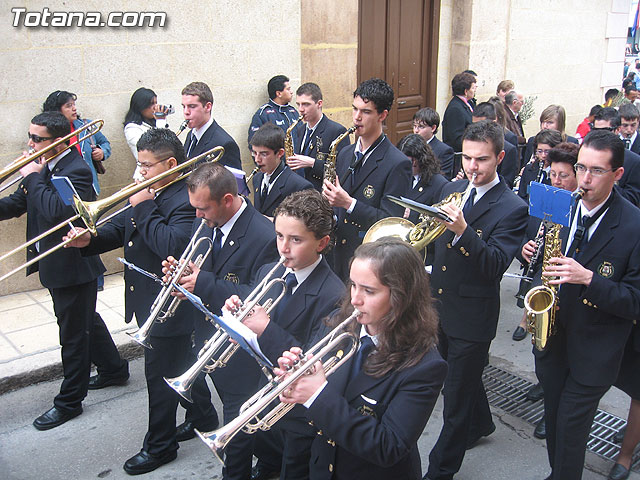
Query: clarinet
pixel 527 279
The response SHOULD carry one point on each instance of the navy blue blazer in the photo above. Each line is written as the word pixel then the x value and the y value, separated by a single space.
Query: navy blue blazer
pixel 387 171
pixel 510 165
pixel 368 428
pixel 598 319
pixel 150 232
pixel 454 122
pixel 300 319
pixel 37 197
pixel 216 136
pixel 249 245
pixel 466 276
pixel 444 153
pixel 635 147
pixel 629 184
pixel 327 130
pixel 426 194
pixel 530 173
pixel 286 184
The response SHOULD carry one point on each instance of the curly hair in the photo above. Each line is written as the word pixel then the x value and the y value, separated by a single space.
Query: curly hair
pixel 415 147
pixel 410 328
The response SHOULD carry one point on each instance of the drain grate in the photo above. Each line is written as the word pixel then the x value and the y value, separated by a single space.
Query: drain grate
pixel 507 392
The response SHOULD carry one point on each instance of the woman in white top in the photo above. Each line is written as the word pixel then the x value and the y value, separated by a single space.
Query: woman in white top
pixel 142 115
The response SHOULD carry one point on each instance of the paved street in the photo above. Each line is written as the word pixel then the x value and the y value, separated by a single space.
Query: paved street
pixel 111 429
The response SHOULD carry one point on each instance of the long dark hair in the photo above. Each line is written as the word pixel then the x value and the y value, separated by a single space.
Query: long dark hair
pixel 410 329
pixel 56 100
pixel 414 146
pixel 140 100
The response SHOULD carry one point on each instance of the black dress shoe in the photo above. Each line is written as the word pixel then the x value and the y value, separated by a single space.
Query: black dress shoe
pixel 96 382
pixel 519 334
pixel 262 472
pixel 535 393
pixel 144 462
pixel 541 430
pixel 619 435
pixel 186 430
pixel 472 443
pixel 618 472
pixel 54 417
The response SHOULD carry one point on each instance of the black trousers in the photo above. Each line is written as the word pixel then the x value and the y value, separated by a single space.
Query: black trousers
pixel 169 358
pixel 569 408
pixel 84 338
pixel 284 447
pixel 466 408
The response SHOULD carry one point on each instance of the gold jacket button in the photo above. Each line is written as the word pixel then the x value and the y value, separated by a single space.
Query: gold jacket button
pixel 440 291
pixel 466 254
pixel 585 301
pixel 448 245
pixel 444 268
pixel 331 467
pixel 130 243
pixel 344 241
pixel 345 221
pixel 131 288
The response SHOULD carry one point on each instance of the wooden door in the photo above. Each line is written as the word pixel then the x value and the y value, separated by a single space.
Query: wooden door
pixel 398 42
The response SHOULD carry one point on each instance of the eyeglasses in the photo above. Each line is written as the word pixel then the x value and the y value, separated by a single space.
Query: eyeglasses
pixel 561 175
pixel 38 138
pixel 420 125
pixel 147 166
pixel 260 154
pixel 542 152
pixel 596 171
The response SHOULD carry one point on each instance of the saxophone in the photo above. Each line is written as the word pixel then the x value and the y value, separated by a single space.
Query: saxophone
pixel 288 139
pixel 330 160
pixel 541 302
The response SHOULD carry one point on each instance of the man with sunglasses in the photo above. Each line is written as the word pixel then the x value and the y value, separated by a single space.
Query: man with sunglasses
pixel 70 278
pixel 157 225
pixel 609 119
pixel 598 300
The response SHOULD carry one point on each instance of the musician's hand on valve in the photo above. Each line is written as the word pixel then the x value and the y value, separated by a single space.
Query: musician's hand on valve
pixel 528 250
pixel 257 320
pixel 168 267
pixel 567 270
pixel 81 238
pixel 294 162
pixel 302 389
pixel 458 224
pixel 188 281
pixel 336 195
pixel 233 304
pixel 31 167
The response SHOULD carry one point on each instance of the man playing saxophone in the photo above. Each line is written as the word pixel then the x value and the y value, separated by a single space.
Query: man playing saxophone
pixel 598 301
pixel 155 227
pixel 316 134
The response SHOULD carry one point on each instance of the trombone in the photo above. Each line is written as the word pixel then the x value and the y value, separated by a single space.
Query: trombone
pixel 206 357
pixel 90 212
pixel 15 166
pixel 248 420
pixel 142 334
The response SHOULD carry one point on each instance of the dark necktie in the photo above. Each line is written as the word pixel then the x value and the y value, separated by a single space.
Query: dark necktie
pixel 265 191
pixel 291 281
pixel 217 243
pixel 366 347
pixel 353 169
pixel 307 142
pixel 581 235
pixel 627 143
pixel 192 145
pixel 469 203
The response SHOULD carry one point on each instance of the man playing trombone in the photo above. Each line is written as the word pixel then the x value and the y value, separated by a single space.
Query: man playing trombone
pixel 70 278
pixel 157 225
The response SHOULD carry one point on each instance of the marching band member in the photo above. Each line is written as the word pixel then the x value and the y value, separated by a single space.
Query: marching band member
pixel 243 241
pixel 70 278
pixel 303 223
pixel 469 261
pixel 598 301
pixel 154 228
pixel 370 413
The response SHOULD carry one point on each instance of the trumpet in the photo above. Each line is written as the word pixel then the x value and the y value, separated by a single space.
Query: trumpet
pixel 15 166
pixel 206 357
pixel 90 212
pixel 142 334
pixel 249 422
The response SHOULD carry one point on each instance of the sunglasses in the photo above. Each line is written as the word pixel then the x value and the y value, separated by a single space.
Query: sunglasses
pixel 38 138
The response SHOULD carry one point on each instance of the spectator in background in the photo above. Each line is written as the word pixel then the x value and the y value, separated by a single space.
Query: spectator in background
pixel 554 117
pixel 587 124
pixel 610 96
pixel 458 113
pixel 504 87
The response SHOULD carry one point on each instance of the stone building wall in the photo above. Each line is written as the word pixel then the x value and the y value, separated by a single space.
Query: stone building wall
pixel 234 46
